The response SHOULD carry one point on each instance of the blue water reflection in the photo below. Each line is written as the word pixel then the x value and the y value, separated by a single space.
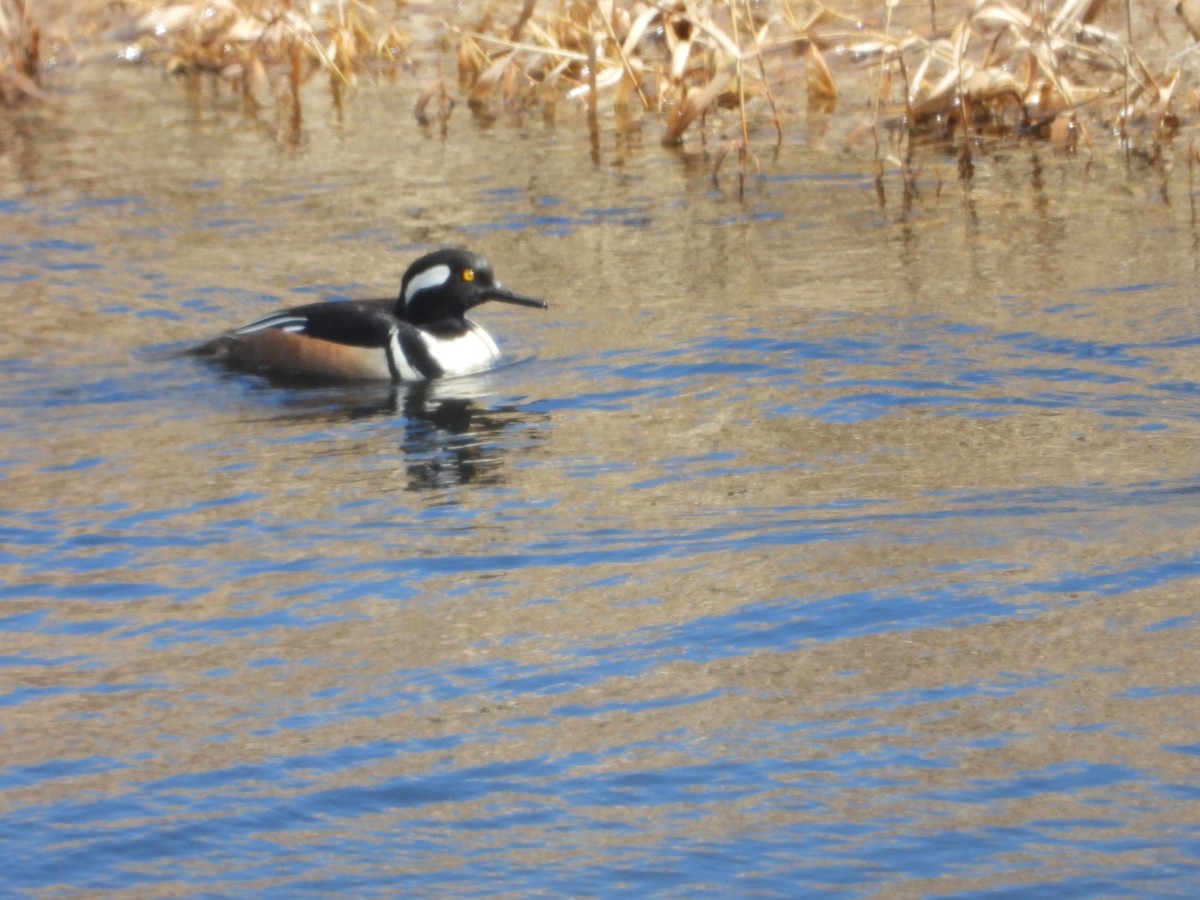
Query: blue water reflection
pixel 752 571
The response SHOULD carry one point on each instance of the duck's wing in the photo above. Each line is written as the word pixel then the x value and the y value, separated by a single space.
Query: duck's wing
pixel 352 339
pixel 356 323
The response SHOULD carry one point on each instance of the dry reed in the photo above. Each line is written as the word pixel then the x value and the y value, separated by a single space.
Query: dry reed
pixel 1003 68
pixel 20 52
pixel 711 70
pixel 266 48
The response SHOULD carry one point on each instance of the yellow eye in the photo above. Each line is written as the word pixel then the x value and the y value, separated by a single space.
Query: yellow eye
pixel 468 275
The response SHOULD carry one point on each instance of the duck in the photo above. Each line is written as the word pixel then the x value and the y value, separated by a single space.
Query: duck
pixel 421 335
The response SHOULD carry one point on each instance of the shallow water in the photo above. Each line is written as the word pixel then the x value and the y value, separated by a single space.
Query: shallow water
pixel 805 546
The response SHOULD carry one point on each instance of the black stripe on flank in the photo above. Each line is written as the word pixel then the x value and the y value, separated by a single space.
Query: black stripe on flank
pixel 390 352
pixel 417 353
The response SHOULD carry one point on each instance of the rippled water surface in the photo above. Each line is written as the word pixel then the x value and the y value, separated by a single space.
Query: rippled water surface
pixel 806 546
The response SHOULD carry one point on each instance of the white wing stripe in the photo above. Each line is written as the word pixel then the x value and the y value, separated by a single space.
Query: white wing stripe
pixel 287 323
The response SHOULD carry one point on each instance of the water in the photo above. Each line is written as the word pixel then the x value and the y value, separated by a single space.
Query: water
pixel 805 545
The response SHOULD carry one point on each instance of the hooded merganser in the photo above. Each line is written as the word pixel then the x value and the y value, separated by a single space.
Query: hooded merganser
pixel 422 334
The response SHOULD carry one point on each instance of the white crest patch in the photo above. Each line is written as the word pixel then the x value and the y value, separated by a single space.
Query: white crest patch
pixel 433 277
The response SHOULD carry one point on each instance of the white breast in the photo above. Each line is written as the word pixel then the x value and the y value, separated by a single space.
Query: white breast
pixel 466 353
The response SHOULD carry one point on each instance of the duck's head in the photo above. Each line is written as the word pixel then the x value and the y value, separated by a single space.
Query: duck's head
pixel 441 286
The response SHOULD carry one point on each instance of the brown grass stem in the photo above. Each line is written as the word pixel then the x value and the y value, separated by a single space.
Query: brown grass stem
pixel 629 73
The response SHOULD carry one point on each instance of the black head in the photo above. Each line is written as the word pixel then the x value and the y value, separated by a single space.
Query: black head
pixel 443 285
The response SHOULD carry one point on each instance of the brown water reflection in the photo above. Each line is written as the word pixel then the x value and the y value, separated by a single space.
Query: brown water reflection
pixel 807 543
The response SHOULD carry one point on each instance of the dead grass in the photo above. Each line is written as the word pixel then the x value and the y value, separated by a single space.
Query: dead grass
pixel 267 49
pixel 20 52
pixel 1046 71
pixel 728 73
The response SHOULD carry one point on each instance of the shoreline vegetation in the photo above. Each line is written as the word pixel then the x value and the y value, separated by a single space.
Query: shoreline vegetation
pixel 728 73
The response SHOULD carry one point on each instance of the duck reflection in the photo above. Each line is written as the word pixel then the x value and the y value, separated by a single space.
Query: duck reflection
pixel 452 434
pixel 452 438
